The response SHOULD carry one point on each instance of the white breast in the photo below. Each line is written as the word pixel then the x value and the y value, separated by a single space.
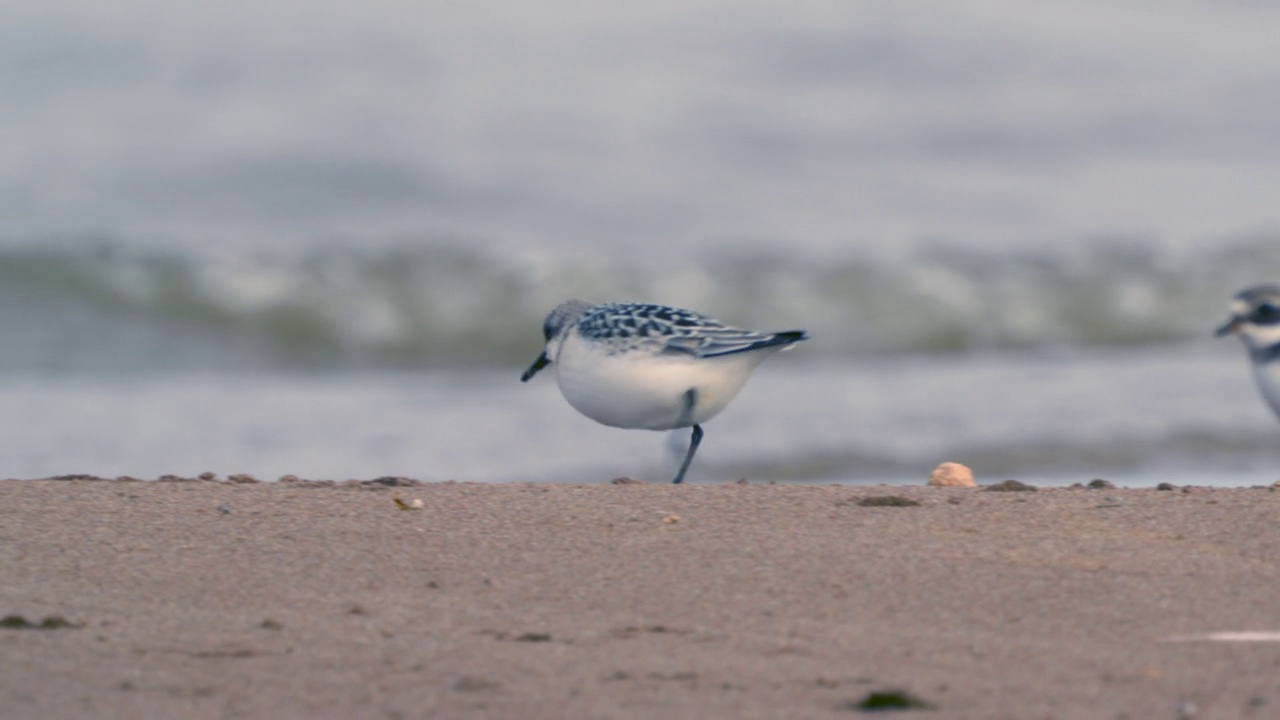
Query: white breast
pixel 639 389
pixel 1268 377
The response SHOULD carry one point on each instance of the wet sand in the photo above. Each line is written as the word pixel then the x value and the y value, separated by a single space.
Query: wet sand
pixel 211 599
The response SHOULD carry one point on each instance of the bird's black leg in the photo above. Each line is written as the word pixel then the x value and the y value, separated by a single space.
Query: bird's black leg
pixel 690 399
pixel 688 458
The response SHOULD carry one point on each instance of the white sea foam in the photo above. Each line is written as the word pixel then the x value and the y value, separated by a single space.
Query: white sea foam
pixel 102 308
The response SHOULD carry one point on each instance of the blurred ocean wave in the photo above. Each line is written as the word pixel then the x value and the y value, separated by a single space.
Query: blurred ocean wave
pixel 106 306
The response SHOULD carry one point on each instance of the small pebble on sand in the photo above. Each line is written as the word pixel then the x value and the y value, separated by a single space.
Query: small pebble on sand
pixel 950 474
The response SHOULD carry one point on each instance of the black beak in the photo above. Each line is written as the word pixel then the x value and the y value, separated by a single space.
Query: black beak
pixel 1229 328
pixel 537 365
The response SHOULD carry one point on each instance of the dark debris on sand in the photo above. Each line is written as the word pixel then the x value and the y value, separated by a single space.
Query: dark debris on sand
pixel 887 501
pixel 52 622
pixel 1011 486
pixel 380 483
pixel 888 700
pixel 392 481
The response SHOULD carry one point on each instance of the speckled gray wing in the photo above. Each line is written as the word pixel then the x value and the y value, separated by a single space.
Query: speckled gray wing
pixel 723 340
pixel 626 321
pixel 682 331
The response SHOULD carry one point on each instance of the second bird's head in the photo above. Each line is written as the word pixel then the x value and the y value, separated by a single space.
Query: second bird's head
pixel 1255 317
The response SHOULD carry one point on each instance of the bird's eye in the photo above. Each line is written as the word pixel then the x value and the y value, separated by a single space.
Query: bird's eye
pixel 1266 314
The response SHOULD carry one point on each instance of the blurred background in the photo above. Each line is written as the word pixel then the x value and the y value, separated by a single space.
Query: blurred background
pixel 320 238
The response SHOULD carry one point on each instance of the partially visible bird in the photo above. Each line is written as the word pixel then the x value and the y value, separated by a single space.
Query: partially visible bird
pixel 1255 319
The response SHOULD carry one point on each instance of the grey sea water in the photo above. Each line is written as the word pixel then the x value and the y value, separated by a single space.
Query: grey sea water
pixel 267 239
pixel 1133 416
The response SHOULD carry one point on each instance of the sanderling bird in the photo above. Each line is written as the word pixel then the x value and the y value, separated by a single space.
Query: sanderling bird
pixel 653 367
pixel 1255 319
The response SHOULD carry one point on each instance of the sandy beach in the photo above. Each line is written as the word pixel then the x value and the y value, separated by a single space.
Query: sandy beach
pixel 215 599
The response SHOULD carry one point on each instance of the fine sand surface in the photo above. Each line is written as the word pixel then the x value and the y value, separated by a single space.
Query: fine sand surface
pixel 207 599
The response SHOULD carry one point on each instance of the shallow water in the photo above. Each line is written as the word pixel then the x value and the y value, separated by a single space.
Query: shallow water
pixel 1136 417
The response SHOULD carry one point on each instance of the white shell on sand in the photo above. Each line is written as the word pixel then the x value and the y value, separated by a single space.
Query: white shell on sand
pixel 950 474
